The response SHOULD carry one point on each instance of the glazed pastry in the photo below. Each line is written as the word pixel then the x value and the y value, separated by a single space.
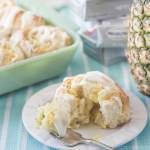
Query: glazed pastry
pixel 26 20
pixel 87 98
pixel 43 39
pixel 14 18
pixel 18 18
pixel 26 34
pixel 7 19
pixel 9 54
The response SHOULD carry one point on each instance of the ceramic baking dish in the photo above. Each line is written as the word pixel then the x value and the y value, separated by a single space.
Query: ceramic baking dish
pixel 32 70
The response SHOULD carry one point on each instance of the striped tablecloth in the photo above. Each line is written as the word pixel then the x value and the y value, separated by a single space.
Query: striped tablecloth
pixel 13 135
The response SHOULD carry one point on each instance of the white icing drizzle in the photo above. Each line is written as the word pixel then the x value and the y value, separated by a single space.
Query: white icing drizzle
pixel 76 82
pixel 95 77
pixel 27 47
pixel 64 35
pixel 16 37
pixel 27 19
pixel 43 33
pixel 60 90
pixel 7 21
pixel 62 115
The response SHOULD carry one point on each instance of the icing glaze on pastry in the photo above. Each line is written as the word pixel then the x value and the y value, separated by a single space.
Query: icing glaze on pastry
pixel 17 37
pixel 29 20
pixel 26 19
pixel 7 21
pixel 96 99
pixel 27 47
pixel 44 39
pixel 59 120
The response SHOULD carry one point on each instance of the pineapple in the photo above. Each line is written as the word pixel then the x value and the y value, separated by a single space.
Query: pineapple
pixel 139 44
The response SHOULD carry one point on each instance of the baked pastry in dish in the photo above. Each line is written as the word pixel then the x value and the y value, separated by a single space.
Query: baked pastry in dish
pixel 43 39
pixel 23 34
pixel 9 53
pixel 86 98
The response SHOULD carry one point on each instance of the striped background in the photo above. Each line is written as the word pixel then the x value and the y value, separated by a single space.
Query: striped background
pixel 13 136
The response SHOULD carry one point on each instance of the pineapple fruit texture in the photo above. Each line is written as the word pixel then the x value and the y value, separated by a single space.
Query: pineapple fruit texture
pixel 139 44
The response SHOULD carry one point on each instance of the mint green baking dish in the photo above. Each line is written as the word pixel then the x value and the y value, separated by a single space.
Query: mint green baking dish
pixel 29 71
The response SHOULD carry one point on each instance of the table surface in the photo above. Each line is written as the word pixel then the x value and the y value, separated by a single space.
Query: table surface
pixel 13 135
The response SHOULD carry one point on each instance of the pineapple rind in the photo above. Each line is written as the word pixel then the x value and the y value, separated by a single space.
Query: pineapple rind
pixel 139 44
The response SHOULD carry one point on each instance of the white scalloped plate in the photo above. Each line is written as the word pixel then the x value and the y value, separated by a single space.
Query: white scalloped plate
pixel 112 137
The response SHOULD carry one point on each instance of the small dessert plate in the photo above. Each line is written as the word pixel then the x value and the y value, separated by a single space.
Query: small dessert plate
pixel 111 137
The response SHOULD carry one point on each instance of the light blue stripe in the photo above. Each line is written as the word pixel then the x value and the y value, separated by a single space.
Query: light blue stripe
pixel 2 110
pixel 15 120
pixel 5 123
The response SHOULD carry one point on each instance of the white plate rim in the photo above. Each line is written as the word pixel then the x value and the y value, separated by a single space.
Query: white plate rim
pixel 114 145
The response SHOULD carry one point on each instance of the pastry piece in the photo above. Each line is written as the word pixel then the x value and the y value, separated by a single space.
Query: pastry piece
pixel 9 54
pixel 26 20
pixel 94 98
pixel 14 18
pixel 44 39
pixel 16 38
pixel 113 109
pixel 7 19
pixel 55 116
